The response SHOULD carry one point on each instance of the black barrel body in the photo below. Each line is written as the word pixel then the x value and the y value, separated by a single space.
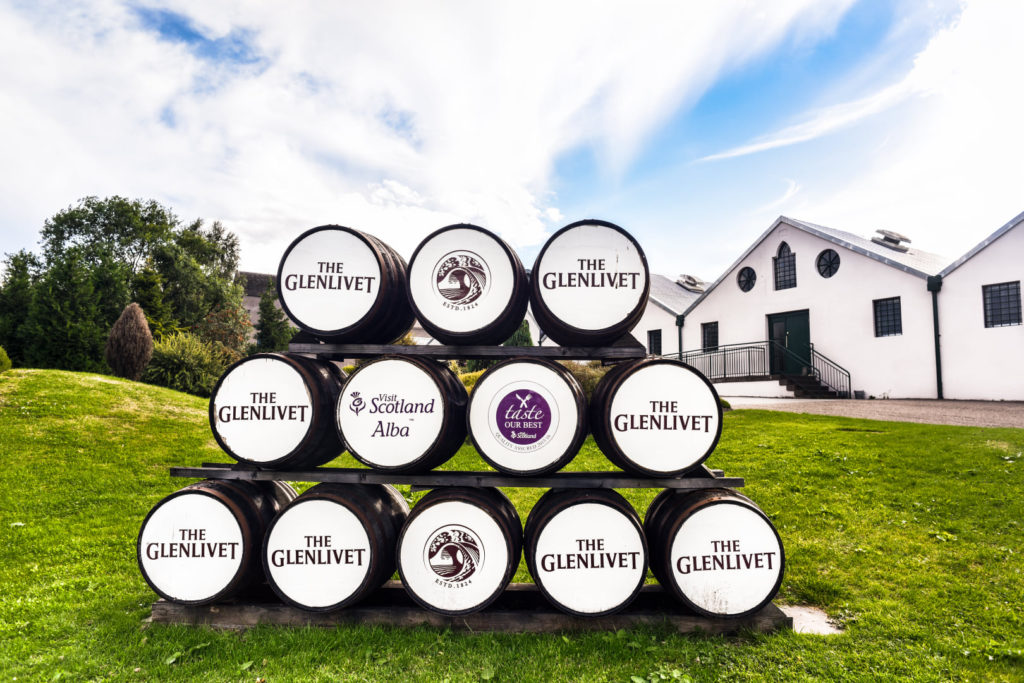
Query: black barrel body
pixel 467 286
pixel 715 550
pixel 589 284
pixel 402 414
pixel 344 286
pixel 276 411
pixel 586 550
pixel 527 416
pixel 334 544
pixel 201 544
pixel 656 417
pixel 460 549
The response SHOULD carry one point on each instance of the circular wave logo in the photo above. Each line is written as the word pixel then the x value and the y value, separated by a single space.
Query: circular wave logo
pixel 454 553
pixel 461 278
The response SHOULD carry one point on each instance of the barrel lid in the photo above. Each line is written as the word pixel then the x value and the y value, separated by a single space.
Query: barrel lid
pixel 329 279
pixel 317 554
pixel 588 557
pixel 591 276
pixel 462 278
pixel 454 557
pixel 726 558
pixel 191 547
pixel 262 409
pixel 526 416
pixel 391 412
pixel 663 416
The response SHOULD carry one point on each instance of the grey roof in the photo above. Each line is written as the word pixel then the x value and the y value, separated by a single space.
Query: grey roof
pixel 1014 222
pixel 919 263
pixel 256 283
pixel 669 295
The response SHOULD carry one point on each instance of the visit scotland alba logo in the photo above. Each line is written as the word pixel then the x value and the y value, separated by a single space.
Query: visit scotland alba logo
pixel 453 553
pixel 461 278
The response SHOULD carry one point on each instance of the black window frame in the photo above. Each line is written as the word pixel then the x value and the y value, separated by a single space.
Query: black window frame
pixel 709 336
pixel 1000 303
pixel 652 337
pixel 750 281
pixel 784 268
pixel 888 316
pixel 828 263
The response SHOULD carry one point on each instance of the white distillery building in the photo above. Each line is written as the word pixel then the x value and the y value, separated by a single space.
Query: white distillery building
pixel 982 338
pixel 818 312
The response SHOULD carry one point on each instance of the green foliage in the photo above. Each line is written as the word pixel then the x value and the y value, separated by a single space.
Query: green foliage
pixel 588 374
pixel 867 510
pixel 227 325
pixel 130 343
pixel 15 301
pixel 64 322
pixel 273 331
pixel 469 379
pixel 5 361
pixel 185 362
pixel 148 292
pixel 725 404
pixel 521 337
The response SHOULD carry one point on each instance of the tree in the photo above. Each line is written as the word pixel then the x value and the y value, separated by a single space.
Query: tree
pixel 63 317
pixel 273 332
pixel 521 337
pixel 148 292
pixel 227 326
pixel 15 301
pixel 130 344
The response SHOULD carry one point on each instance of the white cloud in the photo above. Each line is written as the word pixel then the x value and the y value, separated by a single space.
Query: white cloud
pixel 393 117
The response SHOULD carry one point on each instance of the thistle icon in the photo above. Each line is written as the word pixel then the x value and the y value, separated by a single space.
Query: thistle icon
pixel 357 403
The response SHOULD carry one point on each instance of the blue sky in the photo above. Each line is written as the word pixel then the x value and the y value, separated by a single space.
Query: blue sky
pixel 693 125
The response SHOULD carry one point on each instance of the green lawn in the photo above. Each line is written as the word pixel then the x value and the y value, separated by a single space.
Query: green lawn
pixel 910 535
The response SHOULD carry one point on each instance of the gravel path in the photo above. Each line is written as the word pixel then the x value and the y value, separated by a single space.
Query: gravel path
pixel 970 413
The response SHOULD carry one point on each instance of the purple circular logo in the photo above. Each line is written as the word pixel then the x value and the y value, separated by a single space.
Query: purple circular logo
pixel 523 417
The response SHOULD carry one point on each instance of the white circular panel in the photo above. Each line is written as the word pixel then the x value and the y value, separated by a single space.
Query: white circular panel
pixel 590 558
pixel 591 277
pixel 262 410
pixel 726 559
pixel 318 553
pixel 191 547
pixel 664 417
pixel 461 280
pixel 390 412
pixel 329 280
pixel 523 417
pixel 453 556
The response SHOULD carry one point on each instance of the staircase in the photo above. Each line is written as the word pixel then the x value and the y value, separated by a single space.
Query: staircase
pixel 805 386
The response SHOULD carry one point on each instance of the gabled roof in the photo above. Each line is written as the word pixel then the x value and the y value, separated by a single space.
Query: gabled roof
pixel 1014 222
pixel 915 262
pixel 666 293
pixel 256 283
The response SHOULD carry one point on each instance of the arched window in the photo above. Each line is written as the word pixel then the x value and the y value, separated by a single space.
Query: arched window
pixel 785 267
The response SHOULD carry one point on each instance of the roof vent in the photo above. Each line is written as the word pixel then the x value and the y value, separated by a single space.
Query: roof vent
pixel 891 239
pixel 691 283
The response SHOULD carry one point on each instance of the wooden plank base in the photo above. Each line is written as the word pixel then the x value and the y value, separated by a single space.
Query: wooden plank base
pixel 521 609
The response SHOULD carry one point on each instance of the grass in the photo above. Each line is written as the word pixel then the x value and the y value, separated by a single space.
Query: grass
pixel 909 535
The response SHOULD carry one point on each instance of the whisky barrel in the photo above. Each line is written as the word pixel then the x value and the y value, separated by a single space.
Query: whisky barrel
pixel 467 286
pixel 527 416
pixel 334 544
pixel 342 285
pixel 585 549
pixel 459 549
pixel 277 411
pixel 589 284
pixel 201 544
pixel 656 417
pixel 715 550
pixel 402 414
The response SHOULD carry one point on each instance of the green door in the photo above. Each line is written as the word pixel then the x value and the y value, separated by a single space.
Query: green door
pixel 790 351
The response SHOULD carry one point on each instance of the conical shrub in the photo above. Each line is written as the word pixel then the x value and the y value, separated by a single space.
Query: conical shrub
pixel 130 343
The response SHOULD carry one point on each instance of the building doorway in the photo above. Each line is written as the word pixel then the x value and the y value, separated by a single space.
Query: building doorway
pixel 790 353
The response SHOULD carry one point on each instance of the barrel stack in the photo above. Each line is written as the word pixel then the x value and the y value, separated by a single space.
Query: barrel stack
pixel 459 547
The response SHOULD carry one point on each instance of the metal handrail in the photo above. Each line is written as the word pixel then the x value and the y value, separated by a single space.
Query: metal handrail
pixel 753 359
